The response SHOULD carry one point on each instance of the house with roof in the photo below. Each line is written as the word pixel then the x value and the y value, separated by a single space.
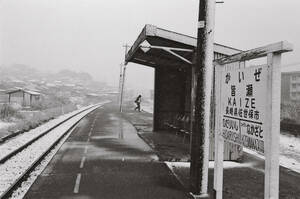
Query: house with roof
pixel 3 96
pixel 23 97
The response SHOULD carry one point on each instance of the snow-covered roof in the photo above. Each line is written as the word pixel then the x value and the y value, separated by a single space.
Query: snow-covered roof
pixel 31 92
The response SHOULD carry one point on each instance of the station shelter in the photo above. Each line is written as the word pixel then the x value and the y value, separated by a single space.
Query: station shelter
pixel 171 55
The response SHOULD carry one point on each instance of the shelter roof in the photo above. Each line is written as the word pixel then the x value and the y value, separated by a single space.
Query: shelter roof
pixel 160 42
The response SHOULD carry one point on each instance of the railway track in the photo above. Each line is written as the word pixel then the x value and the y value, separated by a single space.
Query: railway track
pixel 19 160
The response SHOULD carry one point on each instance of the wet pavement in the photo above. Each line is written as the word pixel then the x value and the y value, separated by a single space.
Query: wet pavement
pixel 104 158
pixel 243 180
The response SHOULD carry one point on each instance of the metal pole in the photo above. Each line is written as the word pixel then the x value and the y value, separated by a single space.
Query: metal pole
pixel 203 71
pixel 120 84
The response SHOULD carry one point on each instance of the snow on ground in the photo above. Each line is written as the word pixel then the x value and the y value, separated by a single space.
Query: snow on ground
pixel 14 143
pixel 290 152
pixel 5 125
pixel 226 164
pixel 3 128
pixel 13 168
pixel 147 106
pixel 25 186
pixel 289 156
pixel 290 143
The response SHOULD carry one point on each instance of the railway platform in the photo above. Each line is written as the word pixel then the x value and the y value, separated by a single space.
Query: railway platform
pixel 105 158
pixel 243 179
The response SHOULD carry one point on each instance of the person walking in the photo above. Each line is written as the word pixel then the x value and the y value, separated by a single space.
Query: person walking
pixel 138 101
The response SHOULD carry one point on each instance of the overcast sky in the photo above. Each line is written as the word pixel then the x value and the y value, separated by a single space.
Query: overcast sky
pixel 87 35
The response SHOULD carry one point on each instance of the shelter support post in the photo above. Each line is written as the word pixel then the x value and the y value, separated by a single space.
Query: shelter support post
pixel 156 101
pixel 201 107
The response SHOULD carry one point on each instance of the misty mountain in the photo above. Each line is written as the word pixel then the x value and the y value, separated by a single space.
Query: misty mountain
pixel 75 75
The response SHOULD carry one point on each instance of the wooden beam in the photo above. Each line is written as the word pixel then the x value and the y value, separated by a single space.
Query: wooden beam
pixel 156 99
pixel 142 37
pixel 143 62
pixel 280 47
pixel 159 59
pixel 178 56
pixel 171 48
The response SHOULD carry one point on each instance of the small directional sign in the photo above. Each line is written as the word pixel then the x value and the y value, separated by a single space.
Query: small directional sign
pixel 145 46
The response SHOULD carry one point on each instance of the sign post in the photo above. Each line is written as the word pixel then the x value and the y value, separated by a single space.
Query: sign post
pixel 248 110
pixel 272 149
pixel 219 141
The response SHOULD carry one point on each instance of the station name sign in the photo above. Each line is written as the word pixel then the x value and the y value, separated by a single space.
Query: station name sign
pixel 244 106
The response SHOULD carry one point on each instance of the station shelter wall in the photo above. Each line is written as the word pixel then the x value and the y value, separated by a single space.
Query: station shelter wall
pixel 169 95
pixel 172 96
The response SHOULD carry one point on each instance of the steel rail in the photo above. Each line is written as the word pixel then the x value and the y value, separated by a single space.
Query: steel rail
pixel 7 193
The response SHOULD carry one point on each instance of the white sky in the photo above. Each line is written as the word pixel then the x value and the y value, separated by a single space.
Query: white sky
pixel 87 35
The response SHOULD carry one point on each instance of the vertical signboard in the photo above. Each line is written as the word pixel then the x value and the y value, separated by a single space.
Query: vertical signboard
pixel 243 107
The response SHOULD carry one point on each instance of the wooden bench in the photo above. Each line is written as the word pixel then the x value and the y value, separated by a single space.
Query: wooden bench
pixel 180 124
pixel 185 130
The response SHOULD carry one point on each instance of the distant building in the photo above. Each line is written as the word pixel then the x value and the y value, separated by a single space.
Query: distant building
pixel 23 97
pixel 3 96
pixel 152 94
pixel 290 86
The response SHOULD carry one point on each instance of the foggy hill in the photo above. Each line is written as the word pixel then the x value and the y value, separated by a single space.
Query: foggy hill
pixel 20 75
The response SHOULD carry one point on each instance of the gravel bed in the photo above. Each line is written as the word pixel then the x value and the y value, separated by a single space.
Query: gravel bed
pixel 25 186
pixel 19 141
pixel 14 168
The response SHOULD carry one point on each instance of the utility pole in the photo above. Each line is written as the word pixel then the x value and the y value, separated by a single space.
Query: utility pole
pixel 120 84
pixel 201 93
pixel 122 79
pixel 122 88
